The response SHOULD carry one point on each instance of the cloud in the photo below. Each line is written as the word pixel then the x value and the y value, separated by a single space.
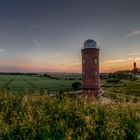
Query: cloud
pixel 2 50
pixel 41 27
pixel 138 58
pixel 133 33
pixel 115 61
pixel 75 46
pixel 130 58
pixel 36 43
pixel 17 22
pixel 133 54
pixel 112 61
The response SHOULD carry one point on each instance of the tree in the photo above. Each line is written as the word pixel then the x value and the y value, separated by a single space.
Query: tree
pixel 76 85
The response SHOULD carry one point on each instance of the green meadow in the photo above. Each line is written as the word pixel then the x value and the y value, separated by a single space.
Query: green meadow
pixel 27 111
pixel 123 90
pixel 25 82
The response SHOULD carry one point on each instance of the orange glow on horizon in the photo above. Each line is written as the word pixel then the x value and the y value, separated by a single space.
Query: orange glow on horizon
pixel 73 66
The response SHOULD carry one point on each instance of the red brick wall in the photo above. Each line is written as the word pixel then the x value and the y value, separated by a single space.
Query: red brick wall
pixel 90 68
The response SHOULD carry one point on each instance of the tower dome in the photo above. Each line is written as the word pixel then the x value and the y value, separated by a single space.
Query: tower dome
pixel 90 44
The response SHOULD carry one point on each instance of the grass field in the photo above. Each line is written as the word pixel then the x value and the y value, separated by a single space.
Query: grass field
pixel 41 117
pixel 36 115
pixel 125 87
pixel 64 81
pixel 22 82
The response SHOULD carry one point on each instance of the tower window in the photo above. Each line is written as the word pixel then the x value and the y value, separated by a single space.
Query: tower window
pixel 83 72
pixel 96 73
pixel 96 84
pixel 84 83
pixel 83 61
pixel 95 61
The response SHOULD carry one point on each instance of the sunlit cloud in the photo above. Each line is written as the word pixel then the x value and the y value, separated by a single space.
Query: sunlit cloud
pixel 133 33
pixel 115 61
pixel 130 58
pixel 138 58
pixel 121 60
pixel 133 54
pixel 55 55
pixel 112 65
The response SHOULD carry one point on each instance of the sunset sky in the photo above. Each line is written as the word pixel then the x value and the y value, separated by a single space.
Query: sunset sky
pixel 47 35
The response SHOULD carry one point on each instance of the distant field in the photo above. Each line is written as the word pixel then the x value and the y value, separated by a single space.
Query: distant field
pixel 22 82
pixel 64 82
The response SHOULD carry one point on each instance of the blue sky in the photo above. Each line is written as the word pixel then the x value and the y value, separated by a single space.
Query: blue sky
pixel 47 35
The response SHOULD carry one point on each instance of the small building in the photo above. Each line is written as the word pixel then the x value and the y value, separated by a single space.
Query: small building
pixel 90 68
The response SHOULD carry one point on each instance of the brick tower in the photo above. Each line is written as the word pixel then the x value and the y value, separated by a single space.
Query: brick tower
pixel 90 68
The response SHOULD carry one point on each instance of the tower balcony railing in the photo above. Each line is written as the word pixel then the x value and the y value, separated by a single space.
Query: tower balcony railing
pixel 98 47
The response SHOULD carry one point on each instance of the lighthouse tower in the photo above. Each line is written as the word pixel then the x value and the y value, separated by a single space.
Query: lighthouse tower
pixel 135 66
pixel 90 68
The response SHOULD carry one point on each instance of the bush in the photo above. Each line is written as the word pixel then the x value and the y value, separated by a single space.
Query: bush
pixel 113 80
pixel 76 85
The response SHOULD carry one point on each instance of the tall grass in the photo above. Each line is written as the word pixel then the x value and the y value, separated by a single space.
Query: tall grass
pixel 39 116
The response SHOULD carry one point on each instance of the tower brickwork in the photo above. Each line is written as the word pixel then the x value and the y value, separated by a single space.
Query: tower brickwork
pixel 90 68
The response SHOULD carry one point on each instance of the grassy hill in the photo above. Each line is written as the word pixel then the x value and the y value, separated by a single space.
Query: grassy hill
pixel 126 87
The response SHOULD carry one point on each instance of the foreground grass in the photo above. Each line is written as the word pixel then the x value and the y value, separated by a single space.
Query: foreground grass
pixel 39 116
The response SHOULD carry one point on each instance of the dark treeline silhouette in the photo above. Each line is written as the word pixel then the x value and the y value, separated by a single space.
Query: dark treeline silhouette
pixel 50 77
pixel 17 73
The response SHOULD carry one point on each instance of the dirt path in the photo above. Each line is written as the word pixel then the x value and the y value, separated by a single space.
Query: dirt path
pixel 105 100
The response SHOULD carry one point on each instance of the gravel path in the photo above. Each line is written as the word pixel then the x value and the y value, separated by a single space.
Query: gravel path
pixel 105 100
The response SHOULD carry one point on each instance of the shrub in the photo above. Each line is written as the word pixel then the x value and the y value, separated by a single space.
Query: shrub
pixel 113 80
pixel 76 85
